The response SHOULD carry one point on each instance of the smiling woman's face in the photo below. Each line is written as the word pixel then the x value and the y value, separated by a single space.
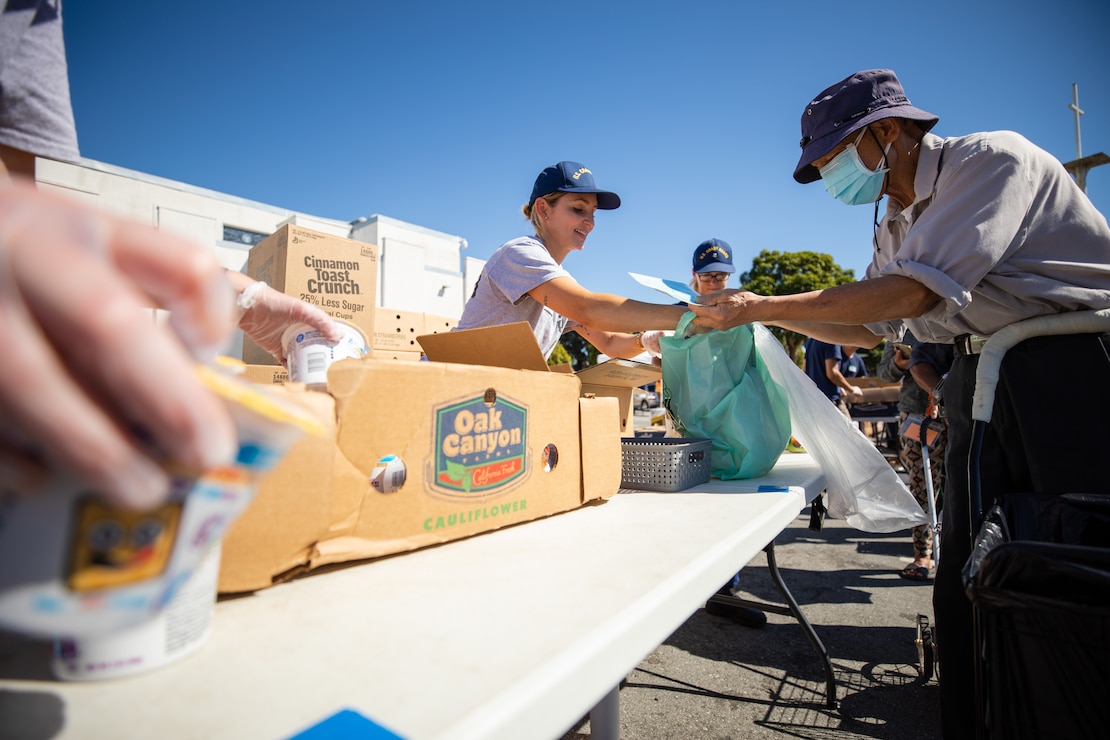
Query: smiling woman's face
pixel 568 221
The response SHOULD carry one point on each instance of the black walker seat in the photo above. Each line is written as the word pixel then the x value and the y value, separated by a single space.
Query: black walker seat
pixel 1039 583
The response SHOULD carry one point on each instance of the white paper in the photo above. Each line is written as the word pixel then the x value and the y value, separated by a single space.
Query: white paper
pixel 673 288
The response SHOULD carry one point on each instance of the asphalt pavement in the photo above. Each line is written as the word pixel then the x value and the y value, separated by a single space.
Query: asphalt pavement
pixel 715 678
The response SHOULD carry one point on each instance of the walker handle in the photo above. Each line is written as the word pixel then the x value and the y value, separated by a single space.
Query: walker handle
pixel 990 360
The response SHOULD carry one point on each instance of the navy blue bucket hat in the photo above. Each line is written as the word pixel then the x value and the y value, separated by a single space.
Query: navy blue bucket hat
pixel 848 106
pixel 572 177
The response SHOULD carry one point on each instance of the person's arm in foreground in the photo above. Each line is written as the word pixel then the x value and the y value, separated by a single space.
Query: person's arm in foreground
pixel 89 372
pixel 833 315
pixel 606 319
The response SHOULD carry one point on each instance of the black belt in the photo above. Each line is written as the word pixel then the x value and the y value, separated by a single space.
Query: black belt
pixel 969 344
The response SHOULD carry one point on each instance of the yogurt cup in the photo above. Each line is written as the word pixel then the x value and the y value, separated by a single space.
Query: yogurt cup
pixel 309 355
pixel 177 631
pixel 76 567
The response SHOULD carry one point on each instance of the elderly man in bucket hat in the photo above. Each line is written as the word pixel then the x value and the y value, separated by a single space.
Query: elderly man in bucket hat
pixel 979 232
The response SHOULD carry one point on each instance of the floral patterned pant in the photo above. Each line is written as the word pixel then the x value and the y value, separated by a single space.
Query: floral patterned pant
pixel 914 463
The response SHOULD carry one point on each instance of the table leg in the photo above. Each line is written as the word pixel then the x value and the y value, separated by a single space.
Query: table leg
pixel 605 718
pixel 791 610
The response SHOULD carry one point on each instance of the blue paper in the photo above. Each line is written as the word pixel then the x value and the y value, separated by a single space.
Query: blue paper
pixel 344 724
pixel 673 288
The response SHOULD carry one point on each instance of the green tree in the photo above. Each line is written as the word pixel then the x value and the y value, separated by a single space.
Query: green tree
pixel 871 357
pixel 787 273
pixel 582 353
pixel 560 356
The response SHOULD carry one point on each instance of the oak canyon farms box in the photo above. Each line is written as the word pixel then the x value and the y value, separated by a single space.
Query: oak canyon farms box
pixel 292 509
pixel 424 453
pixel 338 275
pixel 514 346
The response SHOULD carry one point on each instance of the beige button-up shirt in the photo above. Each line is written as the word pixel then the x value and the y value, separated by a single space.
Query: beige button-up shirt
pixel 1000 231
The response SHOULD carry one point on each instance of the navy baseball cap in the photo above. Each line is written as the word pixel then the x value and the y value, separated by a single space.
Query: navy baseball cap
pixel 713 255
pixel 849 105
pixel 572 177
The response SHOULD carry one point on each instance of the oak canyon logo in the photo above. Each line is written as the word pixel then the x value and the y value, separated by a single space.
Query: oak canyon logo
pixel 480 446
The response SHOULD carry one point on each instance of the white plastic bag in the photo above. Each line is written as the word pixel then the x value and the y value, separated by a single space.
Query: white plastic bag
pixel 863 488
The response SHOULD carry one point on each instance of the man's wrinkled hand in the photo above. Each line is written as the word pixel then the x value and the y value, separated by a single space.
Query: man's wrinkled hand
pixel 725 309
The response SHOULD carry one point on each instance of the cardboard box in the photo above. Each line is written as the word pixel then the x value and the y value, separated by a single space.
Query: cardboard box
pixel 618 379
pixel 291 510
pixel 870 381
pixel 876 390
pixel 397 330
pixel 339 275
pixel 386 354
pixel 422 453
pixel 880 394
pixel 265 374
pixel 514 346
pixel 438 324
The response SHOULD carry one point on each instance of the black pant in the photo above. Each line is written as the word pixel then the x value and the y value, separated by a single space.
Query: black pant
pixel 1048 434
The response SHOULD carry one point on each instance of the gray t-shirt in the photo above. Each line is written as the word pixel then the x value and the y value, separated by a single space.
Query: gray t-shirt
pixel 35 111
pixel 501 294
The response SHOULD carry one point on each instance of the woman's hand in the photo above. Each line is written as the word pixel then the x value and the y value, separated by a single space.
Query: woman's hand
pixel 266 313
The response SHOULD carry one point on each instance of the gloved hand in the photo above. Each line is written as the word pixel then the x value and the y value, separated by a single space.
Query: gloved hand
pixel 90 383
pixel 266 313
pixel 650 342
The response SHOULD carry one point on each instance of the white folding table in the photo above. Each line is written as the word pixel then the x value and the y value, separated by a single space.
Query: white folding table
pixel 513 634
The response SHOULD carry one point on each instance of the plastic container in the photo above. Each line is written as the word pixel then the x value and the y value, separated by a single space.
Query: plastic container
pixel 309 355
pixel 179 630
pixel 665 464
pixel 76 567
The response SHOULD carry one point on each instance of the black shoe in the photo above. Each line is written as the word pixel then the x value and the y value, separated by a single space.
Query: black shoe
pixel 744 615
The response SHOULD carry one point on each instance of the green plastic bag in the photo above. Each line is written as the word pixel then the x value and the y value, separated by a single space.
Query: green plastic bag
pixel 716 386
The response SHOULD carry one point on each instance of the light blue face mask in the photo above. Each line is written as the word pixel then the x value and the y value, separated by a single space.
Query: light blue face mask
pixel 848 180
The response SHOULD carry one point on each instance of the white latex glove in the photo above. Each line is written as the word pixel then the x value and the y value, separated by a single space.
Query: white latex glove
pixel 650 340
pixel 90 383
pixel 266 314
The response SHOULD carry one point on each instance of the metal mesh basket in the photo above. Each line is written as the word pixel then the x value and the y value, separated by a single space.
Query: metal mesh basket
pixel 664 464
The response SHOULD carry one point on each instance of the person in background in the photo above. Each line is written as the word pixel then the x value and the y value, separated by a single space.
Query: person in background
pixel 915 397
pixel 823 362
pixel 851 364
pixel 980 231
pixel 96 387
pixel 709 273
pixel 710 270
pixel 712 266
pixel 524 279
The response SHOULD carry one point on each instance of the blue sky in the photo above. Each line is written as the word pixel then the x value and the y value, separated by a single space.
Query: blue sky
pixel 442 113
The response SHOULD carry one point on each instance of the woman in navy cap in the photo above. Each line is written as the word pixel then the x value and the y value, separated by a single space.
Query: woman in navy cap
pixel 712 266
pixel 980 231
pixel 524 279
